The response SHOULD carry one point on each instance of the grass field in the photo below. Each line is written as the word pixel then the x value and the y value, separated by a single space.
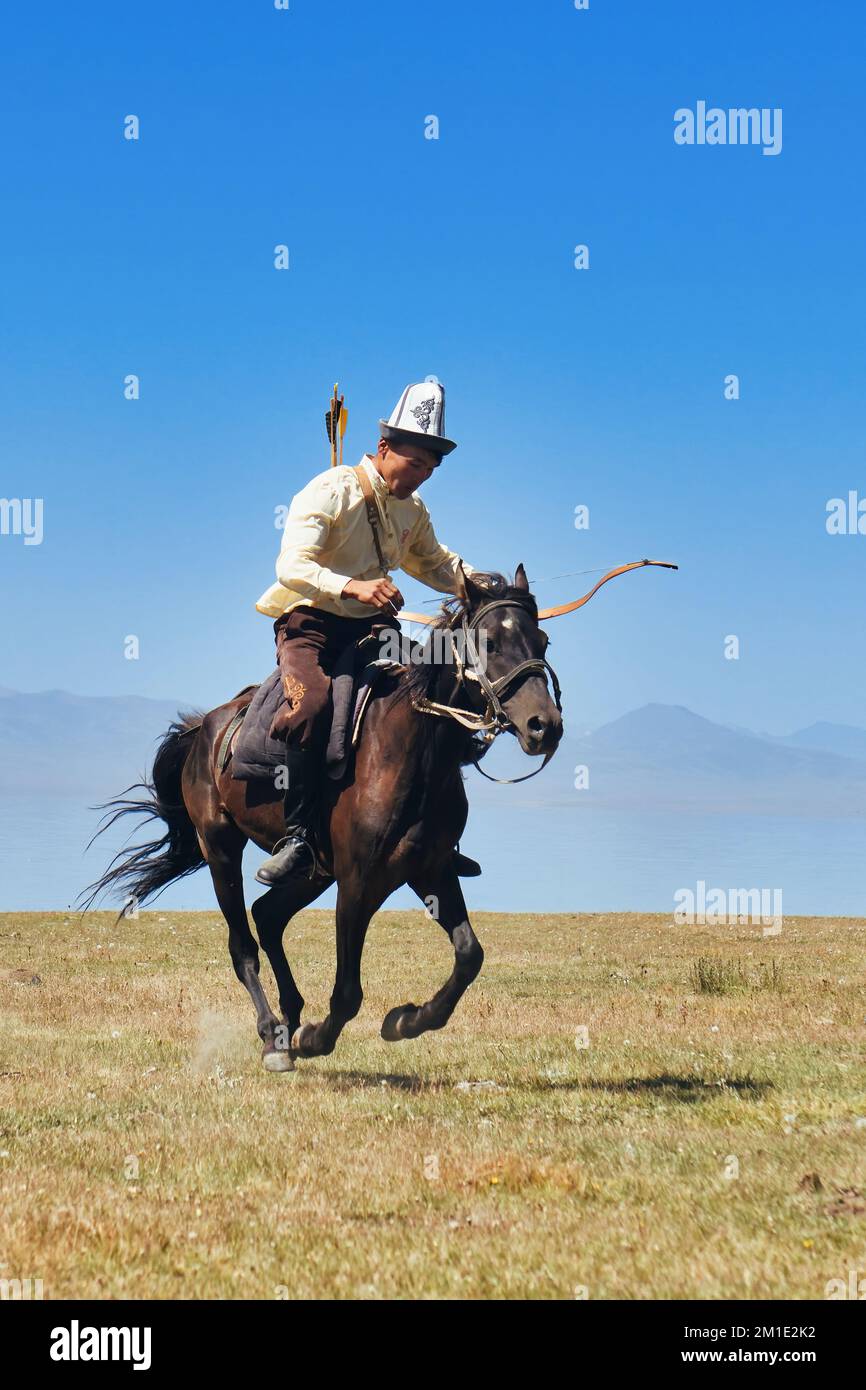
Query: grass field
pixel 709 1142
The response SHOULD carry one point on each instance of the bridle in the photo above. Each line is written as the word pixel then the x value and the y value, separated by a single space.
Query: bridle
pixel 495 720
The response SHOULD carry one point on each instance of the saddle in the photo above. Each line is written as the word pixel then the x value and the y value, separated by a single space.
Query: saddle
pixel 253 754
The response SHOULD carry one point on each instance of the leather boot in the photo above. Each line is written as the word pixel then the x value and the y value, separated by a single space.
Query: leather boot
pixel 293 856
pixel 466 867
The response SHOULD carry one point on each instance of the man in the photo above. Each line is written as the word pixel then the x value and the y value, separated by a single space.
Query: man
pixel 333 587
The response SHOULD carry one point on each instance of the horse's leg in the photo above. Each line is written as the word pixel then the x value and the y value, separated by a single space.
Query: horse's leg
pixel 271 914
pixel 449 910
pixel 223 845
pixel 356 903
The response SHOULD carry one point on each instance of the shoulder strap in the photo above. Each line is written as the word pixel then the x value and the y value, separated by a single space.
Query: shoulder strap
pixel 372 512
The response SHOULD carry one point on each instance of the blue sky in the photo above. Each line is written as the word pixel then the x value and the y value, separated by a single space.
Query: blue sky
pixel 454 257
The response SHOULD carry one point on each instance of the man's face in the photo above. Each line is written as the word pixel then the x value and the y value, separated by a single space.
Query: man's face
pixel 404 467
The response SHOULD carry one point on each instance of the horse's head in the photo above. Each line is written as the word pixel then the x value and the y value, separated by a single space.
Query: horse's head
pixel 504 618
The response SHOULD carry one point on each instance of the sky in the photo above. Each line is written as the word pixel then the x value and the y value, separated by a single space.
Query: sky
pixel 454 257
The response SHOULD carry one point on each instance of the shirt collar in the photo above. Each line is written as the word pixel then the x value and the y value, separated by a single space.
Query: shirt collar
pixel 380 487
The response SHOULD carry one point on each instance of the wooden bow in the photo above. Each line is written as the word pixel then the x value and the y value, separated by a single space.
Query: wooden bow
pixel 563 607
pixel 623 569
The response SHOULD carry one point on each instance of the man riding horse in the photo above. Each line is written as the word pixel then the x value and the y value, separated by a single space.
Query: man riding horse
pixel 397 818
pixel 345 530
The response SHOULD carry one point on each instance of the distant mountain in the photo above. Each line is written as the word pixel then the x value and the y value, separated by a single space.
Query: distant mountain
pixel 664 756
pixel 667 757
pixel 844 739
pixel 85 745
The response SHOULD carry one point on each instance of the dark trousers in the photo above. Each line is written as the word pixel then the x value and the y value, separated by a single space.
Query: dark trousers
pixel 310 642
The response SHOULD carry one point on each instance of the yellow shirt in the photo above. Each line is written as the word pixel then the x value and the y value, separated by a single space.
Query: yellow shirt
pixel 328 540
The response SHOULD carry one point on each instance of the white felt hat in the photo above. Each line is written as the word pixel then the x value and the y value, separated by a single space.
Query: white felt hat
pixel 419 418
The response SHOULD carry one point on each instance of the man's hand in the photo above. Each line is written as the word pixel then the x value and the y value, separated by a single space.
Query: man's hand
pixel 378 593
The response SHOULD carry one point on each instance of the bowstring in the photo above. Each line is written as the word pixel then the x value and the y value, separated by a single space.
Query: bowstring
pixel 572 574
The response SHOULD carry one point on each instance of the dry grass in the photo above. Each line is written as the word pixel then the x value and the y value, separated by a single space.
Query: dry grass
pixel 716 975
pixel 145 1153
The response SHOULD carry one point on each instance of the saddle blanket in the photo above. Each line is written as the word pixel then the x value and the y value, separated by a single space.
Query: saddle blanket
pixel 255 754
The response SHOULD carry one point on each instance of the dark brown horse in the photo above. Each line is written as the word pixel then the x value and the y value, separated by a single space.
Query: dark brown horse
pixel 394 819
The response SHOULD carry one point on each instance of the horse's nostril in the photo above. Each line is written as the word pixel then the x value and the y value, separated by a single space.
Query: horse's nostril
pixel 542 731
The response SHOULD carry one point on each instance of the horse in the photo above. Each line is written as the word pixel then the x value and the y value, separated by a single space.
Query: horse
pixel 394 819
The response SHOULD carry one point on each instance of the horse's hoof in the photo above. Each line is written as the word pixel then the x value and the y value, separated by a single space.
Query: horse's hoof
pixel 394 1023
pixel 277 1061
pixel 297 1043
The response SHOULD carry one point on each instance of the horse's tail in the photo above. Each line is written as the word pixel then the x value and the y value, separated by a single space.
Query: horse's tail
pixel 143 871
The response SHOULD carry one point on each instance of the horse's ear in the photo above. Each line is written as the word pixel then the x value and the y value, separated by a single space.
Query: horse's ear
pixel 520 580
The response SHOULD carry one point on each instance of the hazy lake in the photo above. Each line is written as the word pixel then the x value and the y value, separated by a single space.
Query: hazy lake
pixel 535 859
